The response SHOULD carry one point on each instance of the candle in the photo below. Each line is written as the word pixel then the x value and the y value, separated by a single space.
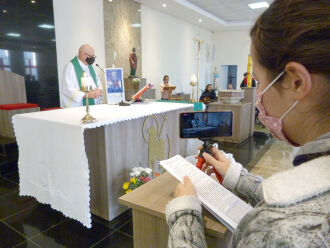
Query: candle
pixel 84 82
pixel 90 83
pixel 193 79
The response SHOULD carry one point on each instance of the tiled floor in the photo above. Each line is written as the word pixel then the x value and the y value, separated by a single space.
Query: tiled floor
pixel 277 158
pixel 26 223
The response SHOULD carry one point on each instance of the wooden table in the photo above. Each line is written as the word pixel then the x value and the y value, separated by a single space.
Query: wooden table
pixel 150 229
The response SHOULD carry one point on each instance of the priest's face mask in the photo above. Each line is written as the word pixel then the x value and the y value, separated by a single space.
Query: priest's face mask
pixel 90 59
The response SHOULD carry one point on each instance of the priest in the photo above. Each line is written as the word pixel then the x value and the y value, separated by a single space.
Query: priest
pixel 71 94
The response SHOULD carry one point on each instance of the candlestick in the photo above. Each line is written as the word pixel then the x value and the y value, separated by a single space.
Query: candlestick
pixel 86 87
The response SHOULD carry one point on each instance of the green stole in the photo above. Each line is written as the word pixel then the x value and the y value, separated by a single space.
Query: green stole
pixel 79 73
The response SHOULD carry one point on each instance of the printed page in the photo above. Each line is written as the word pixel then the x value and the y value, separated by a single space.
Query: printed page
pixel 222 203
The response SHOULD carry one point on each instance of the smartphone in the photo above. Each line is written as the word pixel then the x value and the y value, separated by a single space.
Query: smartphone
pixel 206 124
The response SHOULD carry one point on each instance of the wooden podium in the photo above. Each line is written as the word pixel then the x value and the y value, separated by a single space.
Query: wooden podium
pixel 241 120
pixel 170 88
pixel 150 229
pixel 12 92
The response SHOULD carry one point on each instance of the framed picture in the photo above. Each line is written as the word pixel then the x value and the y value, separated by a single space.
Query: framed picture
pixel 115 85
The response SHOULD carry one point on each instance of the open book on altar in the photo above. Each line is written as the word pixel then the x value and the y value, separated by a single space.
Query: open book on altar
pixel 220 202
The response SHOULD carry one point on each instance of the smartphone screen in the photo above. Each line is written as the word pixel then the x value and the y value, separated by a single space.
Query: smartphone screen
pixel 206 124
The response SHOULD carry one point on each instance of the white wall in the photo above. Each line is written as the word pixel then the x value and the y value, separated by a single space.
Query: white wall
pixel 78 22
pixel 223 77
pixel 233 48
pixel 168 48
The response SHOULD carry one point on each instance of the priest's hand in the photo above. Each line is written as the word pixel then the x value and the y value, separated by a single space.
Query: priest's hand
pixel 96 93
pixel 218 160
pixel 185 188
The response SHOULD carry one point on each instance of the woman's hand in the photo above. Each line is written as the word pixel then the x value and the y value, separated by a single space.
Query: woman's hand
pixel 218 160
pixel 187 188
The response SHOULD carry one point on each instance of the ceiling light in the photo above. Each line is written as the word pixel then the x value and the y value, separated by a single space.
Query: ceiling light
pixel 53 40
pixel 13 34
pixel 139 10
pixel 4 11
pixel 46 26
pixel 110 1
pixel 33 1
pixel 136 25
pixel 200 20
pixel 164 5
pixel 259 5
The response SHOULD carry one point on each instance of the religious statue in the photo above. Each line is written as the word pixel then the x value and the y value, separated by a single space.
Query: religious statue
pixel 133 63
pixel 216 78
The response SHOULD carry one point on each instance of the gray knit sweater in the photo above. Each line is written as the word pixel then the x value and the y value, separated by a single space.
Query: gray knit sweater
pixel 292 208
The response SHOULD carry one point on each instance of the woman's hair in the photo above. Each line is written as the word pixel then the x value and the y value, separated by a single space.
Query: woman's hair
pixel 165 77
pixel 207 86
pixel 294 30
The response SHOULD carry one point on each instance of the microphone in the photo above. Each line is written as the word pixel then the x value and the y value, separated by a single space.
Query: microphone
pixel 100 68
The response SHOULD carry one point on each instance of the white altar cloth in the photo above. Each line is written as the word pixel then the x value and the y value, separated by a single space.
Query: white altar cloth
pixel 53 166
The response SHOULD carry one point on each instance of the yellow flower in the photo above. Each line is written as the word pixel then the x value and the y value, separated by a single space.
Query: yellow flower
pixel 127 191
pixel 125 185
pixel 133 180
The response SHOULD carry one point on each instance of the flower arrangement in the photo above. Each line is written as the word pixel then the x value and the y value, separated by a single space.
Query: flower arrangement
pixel 136 81
pixel 138 176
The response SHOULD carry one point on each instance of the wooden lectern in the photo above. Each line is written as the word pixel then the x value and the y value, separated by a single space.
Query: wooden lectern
pixel 148 203
pixel 170 88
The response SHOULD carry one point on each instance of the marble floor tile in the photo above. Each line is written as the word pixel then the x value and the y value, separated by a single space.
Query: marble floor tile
pixel 7 187
pixel 13 203
pixel 116 240
pixel 35 220
pixel 8 237
pixel 70 234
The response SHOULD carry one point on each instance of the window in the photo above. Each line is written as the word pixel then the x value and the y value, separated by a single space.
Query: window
pixel 4 60
pixel 30 64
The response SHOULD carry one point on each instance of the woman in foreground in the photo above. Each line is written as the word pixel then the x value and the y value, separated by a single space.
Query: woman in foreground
pixel 291 62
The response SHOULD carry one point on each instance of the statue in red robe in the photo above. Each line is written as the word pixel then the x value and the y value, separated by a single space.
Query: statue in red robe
pixel 133 63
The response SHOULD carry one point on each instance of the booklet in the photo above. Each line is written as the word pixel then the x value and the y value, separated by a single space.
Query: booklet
pixel 220 202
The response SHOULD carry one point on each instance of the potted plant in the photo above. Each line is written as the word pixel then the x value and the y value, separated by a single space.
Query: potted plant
pixel 136 83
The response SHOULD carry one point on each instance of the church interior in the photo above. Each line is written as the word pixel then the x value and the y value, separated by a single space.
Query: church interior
pixel 99 98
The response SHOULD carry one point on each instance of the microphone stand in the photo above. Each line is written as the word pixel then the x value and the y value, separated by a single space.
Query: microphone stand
pixel 122 103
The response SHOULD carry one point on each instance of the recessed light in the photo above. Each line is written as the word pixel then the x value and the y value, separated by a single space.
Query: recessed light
pixel 136 25
pixel 110 1
pixel 33 1
pixel 164 5
pixel 200 20
pixel 4 11
pixel 46 26
pixel 140 10
pixel 258 5
pixel 13 34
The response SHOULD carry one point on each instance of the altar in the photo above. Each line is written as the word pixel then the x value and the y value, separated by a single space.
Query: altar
pixel 79 168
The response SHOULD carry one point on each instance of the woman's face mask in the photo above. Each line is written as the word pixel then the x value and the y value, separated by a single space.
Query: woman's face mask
pixel 274 125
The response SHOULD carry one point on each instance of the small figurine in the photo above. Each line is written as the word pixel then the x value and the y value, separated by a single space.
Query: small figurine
pixel 216 77
pixel 133 63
